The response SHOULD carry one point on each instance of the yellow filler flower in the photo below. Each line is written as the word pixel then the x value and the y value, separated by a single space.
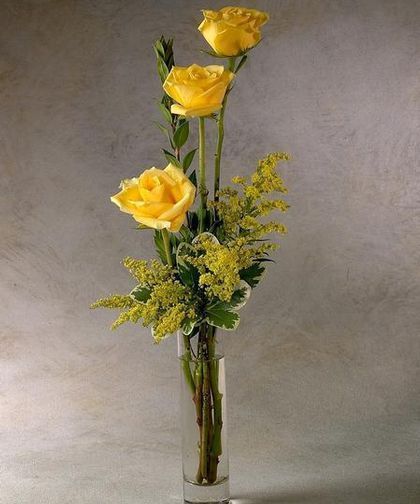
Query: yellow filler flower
pixel 231 31
pixel 198 91
pixel 158 198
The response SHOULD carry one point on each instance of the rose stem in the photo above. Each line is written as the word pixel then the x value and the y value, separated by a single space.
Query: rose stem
pixel 186 359
pixel 198 407
pixel 206 420
pixel 167 244
pixel 216 443
pixel 202 173
pixel 205 414
pixel 220 137
pixel 210 408
pixel 198 400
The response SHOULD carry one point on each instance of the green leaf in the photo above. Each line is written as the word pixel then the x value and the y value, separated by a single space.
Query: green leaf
pixel 188 273
pixel 165 112
pixel 157 54
pixel 252 275
pixel 159 48
pixel 188 159
pixel 174 241
pixel 218 315
pixel 162 128
pixel 181 134
pixel 140 293
pixel 241 63
pixel 167 44
pixel 240 296
pixel 162 69
pixel 188 326
pixel 186 234
pixel 192 221
pixel 171 158
pixel 196 329
pixel 213 54
pixel 193 178
pixel 165 132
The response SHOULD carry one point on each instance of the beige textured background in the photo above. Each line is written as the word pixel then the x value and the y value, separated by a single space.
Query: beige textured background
pixel 323 375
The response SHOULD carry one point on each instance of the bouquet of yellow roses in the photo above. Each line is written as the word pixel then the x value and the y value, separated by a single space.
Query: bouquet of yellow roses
pixel 211 255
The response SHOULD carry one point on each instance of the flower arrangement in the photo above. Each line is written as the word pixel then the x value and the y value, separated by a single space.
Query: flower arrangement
pixel 211 255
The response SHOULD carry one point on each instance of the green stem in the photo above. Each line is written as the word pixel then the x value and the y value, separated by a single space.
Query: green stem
pixel 208 404
pixel 204 416
pixel 202 173
pixel 216 443
pixel 220 137
pixel 206 421
pixel 167 244
pixel 219 146
pixel 198 400
pixel 185 362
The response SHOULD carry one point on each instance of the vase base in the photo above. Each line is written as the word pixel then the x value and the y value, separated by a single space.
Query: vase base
pixel 208 502
pixel 217 493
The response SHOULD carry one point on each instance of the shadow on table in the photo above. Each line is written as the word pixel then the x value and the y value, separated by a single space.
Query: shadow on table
pixel 381 490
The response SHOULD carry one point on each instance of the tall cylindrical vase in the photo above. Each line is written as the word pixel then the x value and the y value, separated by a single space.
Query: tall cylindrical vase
pixel 203 419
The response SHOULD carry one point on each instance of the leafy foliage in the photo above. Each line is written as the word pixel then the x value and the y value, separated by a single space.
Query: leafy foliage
pixel 220 315
pixel 177 131
pixel 188 274
pixel 203 278
pixel 140 293
pixel 253 274
pixel 186 163
pixel 181 134
pixel 160 247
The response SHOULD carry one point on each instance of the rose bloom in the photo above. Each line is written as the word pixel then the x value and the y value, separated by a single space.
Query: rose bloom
pixel 198 91
pixel 157 198
pixel 232 30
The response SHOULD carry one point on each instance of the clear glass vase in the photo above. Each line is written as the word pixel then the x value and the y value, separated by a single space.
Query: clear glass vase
pixel 203 418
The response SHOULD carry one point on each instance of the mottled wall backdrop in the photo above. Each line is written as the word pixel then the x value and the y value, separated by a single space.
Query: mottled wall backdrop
pixel 323 375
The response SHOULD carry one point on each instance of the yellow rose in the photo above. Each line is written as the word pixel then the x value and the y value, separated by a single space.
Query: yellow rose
pixel 232 30
pixel 157 198
pixel 198 90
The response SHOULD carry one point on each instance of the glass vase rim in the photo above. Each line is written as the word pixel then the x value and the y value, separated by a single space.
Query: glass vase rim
pixel 190 358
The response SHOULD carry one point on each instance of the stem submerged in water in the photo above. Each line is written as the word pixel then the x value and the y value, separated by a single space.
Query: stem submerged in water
pixel 204 386
pixel 204 444
pixel 216 443
pixel 198 400
pixel 186 359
